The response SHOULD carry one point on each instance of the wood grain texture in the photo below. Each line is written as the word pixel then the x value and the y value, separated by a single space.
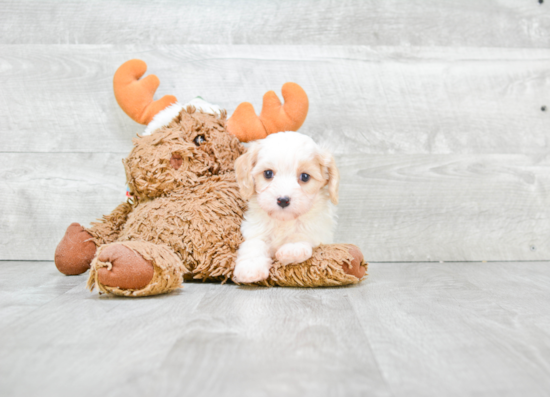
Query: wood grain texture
pixel 26 286
pixel 469 23
pixel 362 100
pixel 396 208
pixel 410 329
pixel 459 329
pixel 40 192
pixel 446 207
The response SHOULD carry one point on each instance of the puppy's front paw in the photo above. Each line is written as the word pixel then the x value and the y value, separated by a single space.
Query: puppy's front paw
pixel 251 271
pixel 294 253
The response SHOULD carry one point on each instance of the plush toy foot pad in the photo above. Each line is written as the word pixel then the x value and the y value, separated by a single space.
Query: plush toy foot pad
pixel 75 251
pixel 355 268
pixel 136 268
pixel 128 270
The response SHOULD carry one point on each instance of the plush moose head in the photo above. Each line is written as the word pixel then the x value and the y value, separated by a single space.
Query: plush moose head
pixel 194 146
pixel 191 145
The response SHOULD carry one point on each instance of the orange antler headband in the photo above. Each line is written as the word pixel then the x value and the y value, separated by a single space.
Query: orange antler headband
pixel 275 117
pixel 135 97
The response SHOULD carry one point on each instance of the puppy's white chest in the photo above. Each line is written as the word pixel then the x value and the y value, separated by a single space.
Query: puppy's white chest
pixel 290 232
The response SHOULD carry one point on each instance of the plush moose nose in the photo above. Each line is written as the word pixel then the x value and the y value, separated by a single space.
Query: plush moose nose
pixel 283 202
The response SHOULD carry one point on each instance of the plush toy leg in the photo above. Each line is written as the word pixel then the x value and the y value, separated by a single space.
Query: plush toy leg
pixel 136 268
pixel 330 265
pixel 75 251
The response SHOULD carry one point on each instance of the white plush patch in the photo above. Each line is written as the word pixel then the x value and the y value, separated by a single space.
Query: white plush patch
pixel 201 104
pixel 165 117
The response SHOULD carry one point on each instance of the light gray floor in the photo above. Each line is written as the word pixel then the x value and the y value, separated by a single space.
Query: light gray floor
pixel 411 329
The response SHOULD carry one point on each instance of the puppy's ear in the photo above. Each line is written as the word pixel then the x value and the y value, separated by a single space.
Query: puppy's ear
pixel 332 174
pixel 243 170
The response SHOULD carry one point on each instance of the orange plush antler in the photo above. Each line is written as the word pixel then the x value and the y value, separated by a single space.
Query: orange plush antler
pixel 135 96
pixel 275 117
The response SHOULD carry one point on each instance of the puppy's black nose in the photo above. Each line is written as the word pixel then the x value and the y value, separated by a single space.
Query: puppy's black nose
pixel 283 202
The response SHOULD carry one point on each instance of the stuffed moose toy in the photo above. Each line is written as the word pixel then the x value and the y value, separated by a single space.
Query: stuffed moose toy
pixel 183 217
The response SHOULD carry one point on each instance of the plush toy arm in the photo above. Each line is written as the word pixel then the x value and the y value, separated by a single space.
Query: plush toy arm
pixel 108 228
pixel 329 266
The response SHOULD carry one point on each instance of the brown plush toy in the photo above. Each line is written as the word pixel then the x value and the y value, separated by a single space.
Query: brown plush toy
pixel 183 220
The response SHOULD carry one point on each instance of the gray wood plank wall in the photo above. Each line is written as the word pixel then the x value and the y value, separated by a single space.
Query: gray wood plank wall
pixel 455 23
pixel 434 109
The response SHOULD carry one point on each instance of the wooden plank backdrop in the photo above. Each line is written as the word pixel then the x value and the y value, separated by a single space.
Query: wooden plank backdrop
pixel 395 207
pixel 58 98
pixel 468 23
pixel 434 110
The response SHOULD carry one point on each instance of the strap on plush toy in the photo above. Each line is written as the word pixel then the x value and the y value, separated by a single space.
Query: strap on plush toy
pixel 135 97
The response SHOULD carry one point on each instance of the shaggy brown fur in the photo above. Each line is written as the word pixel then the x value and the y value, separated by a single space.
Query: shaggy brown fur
pixel 186 212
pixel 167 276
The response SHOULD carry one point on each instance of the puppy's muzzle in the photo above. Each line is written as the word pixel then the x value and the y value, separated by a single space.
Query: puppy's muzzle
pixel 283 201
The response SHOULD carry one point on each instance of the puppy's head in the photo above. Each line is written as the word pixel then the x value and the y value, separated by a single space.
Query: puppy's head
pixel 288 172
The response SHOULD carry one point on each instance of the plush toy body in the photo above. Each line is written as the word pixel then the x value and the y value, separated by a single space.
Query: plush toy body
pixel 184 217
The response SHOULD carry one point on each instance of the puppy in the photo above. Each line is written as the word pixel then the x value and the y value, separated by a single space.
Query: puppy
pixel 291 185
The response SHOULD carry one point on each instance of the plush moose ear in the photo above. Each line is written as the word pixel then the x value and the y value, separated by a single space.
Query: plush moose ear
pixel 135 96
pixel 243 170
pixel 275 117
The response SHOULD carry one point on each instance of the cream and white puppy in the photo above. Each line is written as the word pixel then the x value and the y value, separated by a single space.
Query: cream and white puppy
pixel 292 188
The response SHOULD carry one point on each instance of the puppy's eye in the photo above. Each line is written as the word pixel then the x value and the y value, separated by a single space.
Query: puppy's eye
pixel 268 174
pixel 304 177
pixel 199 139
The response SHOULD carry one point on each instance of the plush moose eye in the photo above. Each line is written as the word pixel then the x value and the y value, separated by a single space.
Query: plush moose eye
pixel 199 139
pixel 304 177
pixel 268 174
